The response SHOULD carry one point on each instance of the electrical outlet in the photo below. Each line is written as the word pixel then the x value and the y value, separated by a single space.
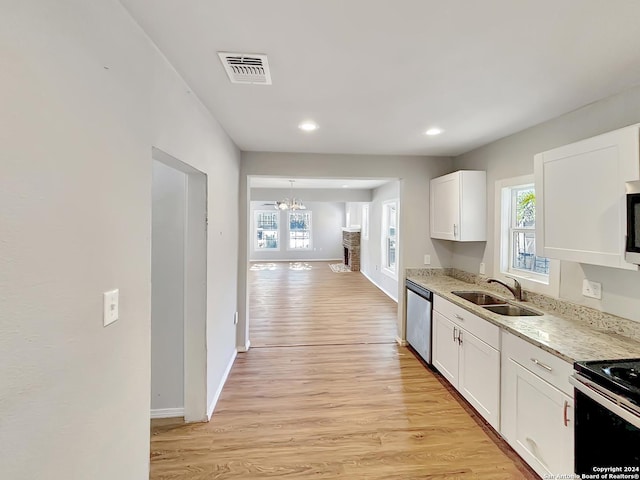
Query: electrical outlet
pixel 427 259
pixel 591 289
pixel 482 269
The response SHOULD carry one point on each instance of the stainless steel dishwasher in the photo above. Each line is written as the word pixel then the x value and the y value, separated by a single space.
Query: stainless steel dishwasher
pixel 419 306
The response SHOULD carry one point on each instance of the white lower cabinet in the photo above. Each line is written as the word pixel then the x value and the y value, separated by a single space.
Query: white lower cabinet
pixel 445 348
pixel 521 390
pixel 469 364
pixel 536 416
pixel 479 380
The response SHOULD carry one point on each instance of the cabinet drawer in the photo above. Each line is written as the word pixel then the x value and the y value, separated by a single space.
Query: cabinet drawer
pixel 485 331
pixel 545 365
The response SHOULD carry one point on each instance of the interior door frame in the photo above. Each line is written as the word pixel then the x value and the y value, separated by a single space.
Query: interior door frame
pixel 195 287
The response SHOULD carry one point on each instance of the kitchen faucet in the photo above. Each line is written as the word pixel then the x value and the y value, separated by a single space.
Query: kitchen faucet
pixel 516 290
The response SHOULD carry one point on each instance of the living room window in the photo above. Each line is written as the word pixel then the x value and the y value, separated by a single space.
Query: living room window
pixel 299 230
pixel 267 233
pixel 389 237
pixel 515 205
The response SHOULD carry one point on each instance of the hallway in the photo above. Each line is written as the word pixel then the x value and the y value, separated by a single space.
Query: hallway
pixel 325 392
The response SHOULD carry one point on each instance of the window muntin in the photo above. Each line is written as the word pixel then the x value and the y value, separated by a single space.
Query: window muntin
pixel 299 230
pixel 522 234
pixel 267 235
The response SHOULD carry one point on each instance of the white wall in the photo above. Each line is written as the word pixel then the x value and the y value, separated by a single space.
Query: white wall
pixel 371 249
pixel 513 156
pixel 167 287
pixel 327 220
pixel 313 194
pixel 414 174
pixel 353 212
pixel 85 95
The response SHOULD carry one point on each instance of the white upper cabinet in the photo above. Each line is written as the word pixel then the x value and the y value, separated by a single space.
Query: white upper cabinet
pixel 458 207
pixel 580 198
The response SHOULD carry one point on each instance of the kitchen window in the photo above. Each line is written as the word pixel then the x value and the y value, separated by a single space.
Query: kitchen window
pixel 390 238
pixel 267 231
pixel 299 230
pixel 516 255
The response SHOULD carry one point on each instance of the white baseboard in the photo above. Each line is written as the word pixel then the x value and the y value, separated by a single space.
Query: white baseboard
pixel 379 287
pixel 167 412
pixel 402 343
pixel 216 396
pixel 245 348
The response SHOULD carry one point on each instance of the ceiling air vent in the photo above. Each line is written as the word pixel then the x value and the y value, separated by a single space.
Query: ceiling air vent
pixel 246 68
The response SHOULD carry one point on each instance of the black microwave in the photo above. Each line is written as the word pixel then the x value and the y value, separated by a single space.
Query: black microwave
pixel 632 248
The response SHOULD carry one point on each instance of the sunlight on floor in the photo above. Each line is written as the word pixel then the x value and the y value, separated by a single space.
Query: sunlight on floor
pixel 263 266
pixel 299 266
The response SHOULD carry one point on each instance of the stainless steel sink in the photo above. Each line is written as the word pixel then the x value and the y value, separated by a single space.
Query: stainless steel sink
pixel 480 298
pixel 512 310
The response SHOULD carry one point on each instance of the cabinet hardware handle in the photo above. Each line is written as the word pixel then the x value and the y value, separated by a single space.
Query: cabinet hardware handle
pixel 542 365
pixel 454 334
pixel 455 230
pixel 460 337
pixel 565 415
pixel 458 317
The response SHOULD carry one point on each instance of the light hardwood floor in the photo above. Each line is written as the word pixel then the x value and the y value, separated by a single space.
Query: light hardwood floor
pixel 325 392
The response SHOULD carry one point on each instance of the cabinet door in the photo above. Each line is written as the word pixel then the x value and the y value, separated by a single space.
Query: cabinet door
pixel 479 377
pixel 580 198
pixel 445 207
pixel 445 348
pixel 537 421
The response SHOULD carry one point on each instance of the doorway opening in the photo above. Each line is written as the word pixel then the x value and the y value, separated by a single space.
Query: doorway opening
pixel 178 289
pixel 341 209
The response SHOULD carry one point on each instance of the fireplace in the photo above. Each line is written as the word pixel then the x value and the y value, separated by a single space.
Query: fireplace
pixel 351 246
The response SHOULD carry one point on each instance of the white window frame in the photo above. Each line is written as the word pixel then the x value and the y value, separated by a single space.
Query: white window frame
pixel 257 248
pixel 365 221
pixel 392 272
pixel 534 282
pixel 310 229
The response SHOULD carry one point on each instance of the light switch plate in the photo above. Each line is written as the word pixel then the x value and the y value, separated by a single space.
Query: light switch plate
pixel 111 301
pixel 591 289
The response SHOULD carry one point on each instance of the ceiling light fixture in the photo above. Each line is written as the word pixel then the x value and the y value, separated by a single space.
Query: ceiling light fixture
pixel 290 203
pixel 434 131
pixel 308 126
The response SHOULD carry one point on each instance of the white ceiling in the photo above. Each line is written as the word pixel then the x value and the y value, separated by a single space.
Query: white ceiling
pixel 305 183
pixel 375 74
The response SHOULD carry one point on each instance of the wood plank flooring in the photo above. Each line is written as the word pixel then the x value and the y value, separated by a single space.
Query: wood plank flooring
pixel 290 306
pixel 324 404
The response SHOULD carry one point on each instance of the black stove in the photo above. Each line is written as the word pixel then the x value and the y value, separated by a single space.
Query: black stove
pixel 618 376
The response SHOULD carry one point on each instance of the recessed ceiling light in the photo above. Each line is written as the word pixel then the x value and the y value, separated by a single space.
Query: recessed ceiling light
pixel 345 186
pixel 434 131
pixel 308 126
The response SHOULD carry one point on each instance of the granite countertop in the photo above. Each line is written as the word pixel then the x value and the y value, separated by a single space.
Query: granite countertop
pixel 572 340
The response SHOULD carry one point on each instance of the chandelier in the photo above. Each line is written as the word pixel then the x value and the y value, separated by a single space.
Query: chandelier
pixel 291 203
